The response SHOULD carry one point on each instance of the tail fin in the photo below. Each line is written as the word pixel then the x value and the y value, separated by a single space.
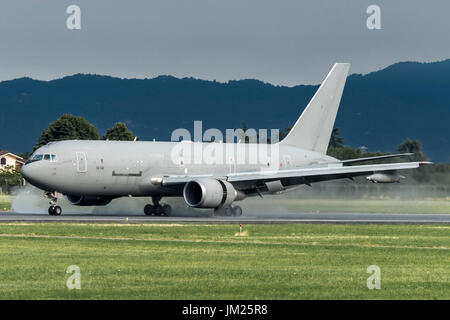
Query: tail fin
pixel 312 131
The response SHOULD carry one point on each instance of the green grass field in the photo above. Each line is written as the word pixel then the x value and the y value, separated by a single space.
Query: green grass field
pixel 185 261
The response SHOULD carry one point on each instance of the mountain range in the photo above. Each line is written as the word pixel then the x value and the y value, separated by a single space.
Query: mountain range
pixel 378 110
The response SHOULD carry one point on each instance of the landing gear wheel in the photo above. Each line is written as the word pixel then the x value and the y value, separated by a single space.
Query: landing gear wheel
pixel 55 210
pixel 237 211
pixel 223 211
pixel 228 211
pixel 157 210
pixel 166 210
pixel 148 210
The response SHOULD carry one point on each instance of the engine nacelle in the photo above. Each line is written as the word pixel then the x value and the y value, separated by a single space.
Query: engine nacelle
pixel 384 177
pixel 88 200
pixel 210 193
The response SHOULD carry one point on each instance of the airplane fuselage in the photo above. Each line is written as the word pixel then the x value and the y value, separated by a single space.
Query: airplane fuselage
pixel 122 168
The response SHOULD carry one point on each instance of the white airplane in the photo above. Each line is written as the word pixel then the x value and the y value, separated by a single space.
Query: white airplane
pixel 92 173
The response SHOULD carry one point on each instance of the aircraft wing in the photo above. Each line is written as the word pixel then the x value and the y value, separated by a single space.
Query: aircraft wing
pixel 296 176
pixel 350 161
pixel 321 171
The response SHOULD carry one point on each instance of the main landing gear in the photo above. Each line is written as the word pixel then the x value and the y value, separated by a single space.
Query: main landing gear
pixel 157 209
pixel 228 211
pixel 53 210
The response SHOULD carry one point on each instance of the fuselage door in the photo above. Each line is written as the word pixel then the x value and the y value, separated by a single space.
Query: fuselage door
pixel 81 162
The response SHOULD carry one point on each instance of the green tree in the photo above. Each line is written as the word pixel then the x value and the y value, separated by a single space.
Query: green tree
pixel 118 132
pixel 344 152
pixel 10 177
pixel 25 155
pixel 284 133
pixel 335 140
pixel 246 138
pixel 413 146
pixel 422 174
pixel 68 127
pixel 244 126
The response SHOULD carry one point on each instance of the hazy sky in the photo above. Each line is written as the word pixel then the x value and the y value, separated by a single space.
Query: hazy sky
pixel 284 42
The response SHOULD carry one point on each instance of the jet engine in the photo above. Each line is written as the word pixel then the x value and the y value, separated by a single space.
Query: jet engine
pixel 88 200
pixel 385 177
pixel 210 193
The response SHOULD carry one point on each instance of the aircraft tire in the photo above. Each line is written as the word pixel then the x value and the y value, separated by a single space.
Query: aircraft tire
pixel 237 211
pixel 148 210
pixel 157 210
pixel 54 210
pixel 166 210
pixel 57 210
pixel 228 211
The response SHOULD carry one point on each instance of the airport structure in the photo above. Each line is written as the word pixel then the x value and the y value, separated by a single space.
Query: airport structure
pixel 93 173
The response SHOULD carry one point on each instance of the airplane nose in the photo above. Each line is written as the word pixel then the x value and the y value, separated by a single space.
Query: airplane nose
pixel 29 173
pixel 25 172
pixel 35 174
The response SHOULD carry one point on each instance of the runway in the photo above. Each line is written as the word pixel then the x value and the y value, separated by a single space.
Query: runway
pixel 339 218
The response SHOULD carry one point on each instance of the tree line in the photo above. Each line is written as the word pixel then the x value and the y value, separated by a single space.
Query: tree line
pixel 70 127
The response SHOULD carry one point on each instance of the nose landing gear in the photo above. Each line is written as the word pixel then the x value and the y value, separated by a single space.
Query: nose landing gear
pixel 157 209
pixel 53 210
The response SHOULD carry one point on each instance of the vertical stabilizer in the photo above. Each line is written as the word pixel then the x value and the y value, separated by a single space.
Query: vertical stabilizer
pixel 312 131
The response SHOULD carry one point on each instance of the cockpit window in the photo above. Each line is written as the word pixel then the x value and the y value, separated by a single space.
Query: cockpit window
pixel 38 157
